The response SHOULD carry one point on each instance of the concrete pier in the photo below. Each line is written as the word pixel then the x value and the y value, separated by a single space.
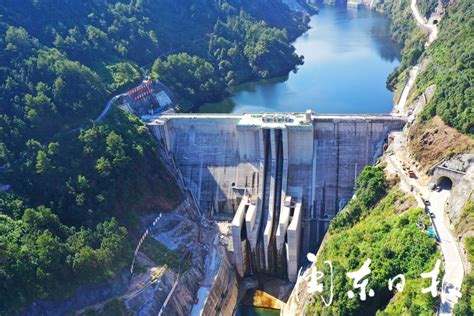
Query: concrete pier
pixel 250 164
pixel 293 246
pixel 238 239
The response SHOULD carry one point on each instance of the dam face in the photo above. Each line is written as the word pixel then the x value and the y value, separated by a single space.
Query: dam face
pixel 283 177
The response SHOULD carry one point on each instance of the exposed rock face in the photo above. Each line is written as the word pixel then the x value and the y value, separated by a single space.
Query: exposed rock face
pixel 175 292
pixel 461 193
pixel 224 291
pixel 431 141
pixel 183 298
pixel 150 300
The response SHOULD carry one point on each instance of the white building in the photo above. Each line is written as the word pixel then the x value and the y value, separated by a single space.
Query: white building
pixel 162 98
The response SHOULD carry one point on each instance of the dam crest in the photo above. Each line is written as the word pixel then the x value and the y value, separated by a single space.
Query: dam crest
pixel 282 176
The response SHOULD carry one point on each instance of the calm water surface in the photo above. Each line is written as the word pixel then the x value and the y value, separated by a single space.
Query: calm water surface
pixel 348 56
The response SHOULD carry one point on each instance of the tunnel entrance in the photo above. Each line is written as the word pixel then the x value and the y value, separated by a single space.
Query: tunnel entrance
pixel 445 183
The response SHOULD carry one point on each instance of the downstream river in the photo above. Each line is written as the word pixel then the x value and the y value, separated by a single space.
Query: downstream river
pixel 348 55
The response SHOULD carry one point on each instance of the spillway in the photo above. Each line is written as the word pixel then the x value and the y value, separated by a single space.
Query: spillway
pixel 283 176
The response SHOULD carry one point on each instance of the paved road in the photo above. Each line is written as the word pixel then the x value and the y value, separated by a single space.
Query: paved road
pixel 454 269
pixel 107 108
pixel 432 28
pixel 453 265
pixel 399 109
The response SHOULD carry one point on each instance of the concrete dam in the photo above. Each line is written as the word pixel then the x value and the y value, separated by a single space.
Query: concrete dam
pixel 281 176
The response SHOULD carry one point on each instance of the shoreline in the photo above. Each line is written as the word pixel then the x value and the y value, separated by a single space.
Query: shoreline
pixel 237 95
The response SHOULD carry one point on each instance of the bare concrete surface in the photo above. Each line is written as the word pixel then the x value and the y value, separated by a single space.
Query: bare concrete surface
pixel 399 108
pixel 246 164
pixel 212 264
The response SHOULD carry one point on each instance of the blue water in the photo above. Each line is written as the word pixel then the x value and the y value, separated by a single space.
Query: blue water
pixel 348 56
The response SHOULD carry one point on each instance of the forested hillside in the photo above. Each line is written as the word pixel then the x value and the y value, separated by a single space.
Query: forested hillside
pixel 451 69
pixel 404 30
pixel 382 224
pixel 427 7
pixel 77 187
pixel 240 49
pixel 464 226
pixel 451 59
pixel 115 38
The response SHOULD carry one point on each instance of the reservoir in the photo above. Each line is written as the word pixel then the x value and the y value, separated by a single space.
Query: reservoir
pixel 348 54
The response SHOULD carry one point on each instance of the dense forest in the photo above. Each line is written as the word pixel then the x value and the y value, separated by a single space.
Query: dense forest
pixel 78 187
pixel 451 69
pixel 64 223
pixel 380 224
pixel 116 38
pixel 240 49
pixel 451 59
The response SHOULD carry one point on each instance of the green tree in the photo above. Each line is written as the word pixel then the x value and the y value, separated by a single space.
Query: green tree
pixel 43 164
pixel 191 77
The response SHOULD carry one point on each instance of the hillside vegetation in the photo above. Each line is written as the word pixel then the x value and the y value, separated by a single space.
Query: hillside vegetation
pixel 403 30
pixel 451 59
pixel 427 7
pixel 62 225
pixel 451 69
pixel 115 38
pixel 77 187
pixel 240 49
pixel 384 230
pixel 465 226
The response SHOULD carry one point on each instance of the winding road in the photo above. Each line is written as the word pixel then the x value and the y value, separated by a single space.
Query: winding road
pixel 107 108
pixel 399 156
pixel 420 20
pixel 453 266
pixel 399 108
pixel 452 262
